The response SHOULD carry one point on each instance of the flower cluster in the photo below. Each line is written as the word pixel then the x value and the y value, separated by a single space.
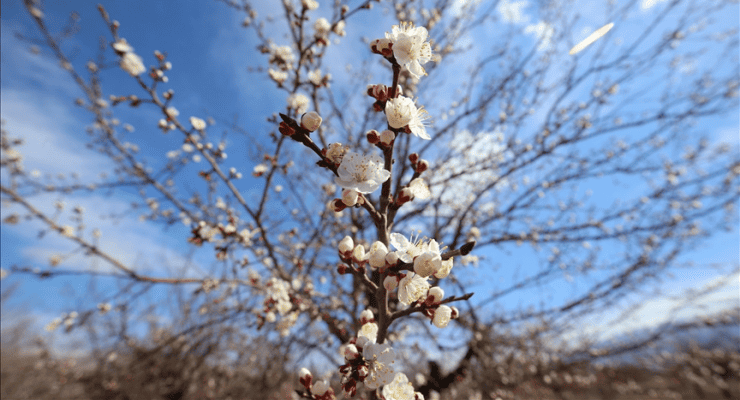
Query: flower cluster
pixel 406 268
pixel 130 61
pixel 363 173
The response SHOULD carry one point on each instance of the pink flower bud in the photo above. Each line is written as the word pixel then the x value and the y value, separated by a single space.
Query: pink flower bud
pixel 349 197
pixel 437 294
pixel 414 158
pixel 350 352
pixel 311 121
pixel 336 205
pixel 320 388
pixel 366 316
pixel 387 137
pixel 373 137
pixel 390 283
pixel 422 166
pixel 305 377
pixel 380 92
pixel 285 129
pixel 342 269
pixel 404 196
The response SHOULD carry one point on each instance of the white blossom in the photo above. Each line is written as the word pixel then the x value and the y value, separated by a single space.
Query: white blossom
pixel 399 389
pixel 335 153
pixel 321 27
pixel 339 28
pixel 406 250
pixel 362 173
pixel 430 259
pixel 198 123
pixel 442 316
pixel 277 75
pixel 282 56
pixel 133 64
pixel 315 77
pixel 310 4
pixel 370 331
pixel 402 112
pixel 411 288
pixel 410 47
pixel 419 189
pixel 298 102
pixel 122 46
pixel 444 269
pixel 380 359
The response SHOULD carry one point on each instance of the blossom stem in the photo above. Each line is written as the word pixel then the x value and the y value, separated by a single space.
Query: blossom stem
pixel 384 316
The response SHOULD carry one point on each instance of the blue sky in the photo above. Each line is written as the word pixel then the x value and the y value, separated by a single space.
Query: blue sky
pixel 211 54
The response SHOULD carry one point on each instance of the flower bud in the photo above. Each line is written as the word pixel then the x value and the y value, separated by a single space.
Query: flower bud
pixel 286 129
pixel 437 294
pixel 342 269
pixel 366 316
pixel 404 196
pixel 311 121
pixel 390 283
pixel 346 245
pixel 336 205
pixel 350 352
pixel 414 158
pixel 442 316
pixel 305 377
pixel 358 254
pixel 320 388
pixel 391 258
pixel 387 137
pixel 422 166
pixel 270 317
pixel 349 197
pixel 455 312
pixel 378 251
pixel 373 137
pixel 379 92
